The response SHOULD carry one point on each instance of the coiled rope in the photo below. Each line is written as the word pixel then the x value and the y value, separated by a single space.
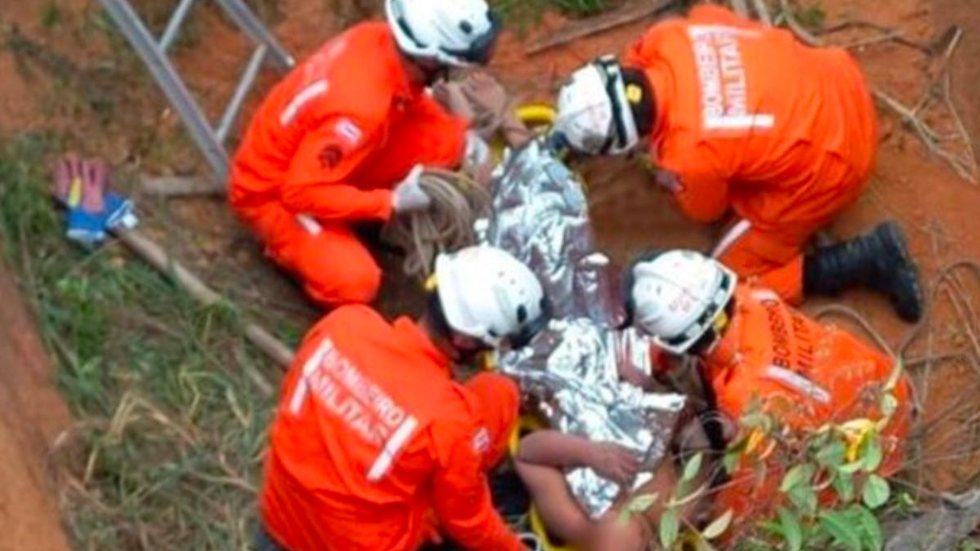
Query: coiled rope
pixel 457 202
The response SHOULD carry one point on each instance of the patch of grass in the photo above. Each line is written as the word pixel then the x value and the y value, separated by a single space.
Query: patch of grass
pixel 524 13
pixel 811 17
pixel 51 14
pixel 74 90
pixel 170 431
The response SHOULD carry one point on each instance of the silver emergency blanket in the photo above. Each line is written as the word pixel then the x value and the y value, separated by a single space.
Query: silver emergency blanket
pixel 540 215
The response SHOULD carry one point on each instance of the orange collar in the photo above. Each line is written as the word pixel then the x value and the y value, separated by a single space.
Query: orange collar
pixel 404 88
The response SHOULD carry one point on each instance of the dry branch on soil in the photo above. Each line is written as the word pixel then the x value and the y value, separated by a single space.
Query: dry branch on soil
pixel 965 164
pixel 154 379
pixel 628 13
pixel 948 426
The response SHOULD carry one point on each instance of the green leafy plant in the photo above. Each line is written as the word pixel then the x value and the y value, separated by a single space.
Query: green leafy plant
pixel 829 493
pixel 673 529
pixel 832 488
pixel 170 431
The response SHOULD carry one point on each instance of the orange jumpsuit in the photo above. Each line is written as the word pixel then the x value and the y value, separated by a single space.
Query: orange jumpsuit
pixel 372 436
pixel 804 373
pixel 748 118
pixel 329 143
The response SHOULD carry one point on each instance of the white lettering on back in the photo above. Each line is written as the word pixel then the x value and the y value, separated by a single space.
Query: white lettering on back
pixel 724 84
pixel 346 394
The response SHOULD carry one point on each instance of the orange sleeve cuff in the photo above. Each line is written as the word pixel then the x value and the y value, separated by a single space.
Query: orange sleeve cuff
pixel 702 192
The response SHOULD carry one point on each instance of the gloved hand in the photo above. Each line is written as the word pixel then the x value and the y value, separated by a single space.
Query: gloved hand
pixel 476 153
pixel 408 195
pixel 668 180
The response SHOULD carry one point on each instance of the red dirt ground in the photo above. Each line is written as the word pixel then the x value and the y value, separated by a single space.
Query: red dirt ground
pixel 31 416
pixel 937 208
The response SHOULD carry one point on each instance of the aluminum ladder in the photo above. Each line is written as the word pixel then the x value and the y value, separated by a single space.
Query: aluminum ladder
pixel 209 139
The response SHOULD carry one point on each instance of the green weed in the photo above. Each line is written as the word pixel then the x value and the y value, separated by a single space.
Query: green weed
pixel 170 432
pixel 525 13
pixel 50 15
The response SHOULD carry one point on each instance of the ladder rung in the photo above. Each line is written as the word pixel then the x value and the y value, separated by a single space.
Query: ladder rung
pixel 241 91
pixel 173 26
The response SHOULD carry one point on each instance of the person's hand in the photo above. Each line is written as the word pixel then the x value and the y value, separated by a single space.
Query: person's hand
pixel 452 97
pixel 476 153
pixel 485 94
pixel 408 195
pixel 667 180
pixel 613 462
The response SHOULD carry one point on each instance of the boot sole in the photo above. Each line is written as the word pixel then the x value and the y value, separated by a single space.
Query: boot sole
pixel 893 239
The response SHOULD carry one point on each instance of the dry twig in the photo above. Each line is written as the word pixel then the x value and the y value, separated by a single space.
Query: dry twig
pixel 965 168
pixel 576 30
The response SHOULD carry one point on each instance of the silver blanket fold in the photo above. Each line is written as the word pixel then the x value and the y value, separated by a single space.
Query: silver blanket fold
pixel 540 215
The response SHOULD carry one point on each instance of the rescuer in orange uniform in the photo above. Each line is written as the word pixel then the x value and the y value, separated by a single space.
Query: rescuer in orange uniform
pixel 742 116
pixel 372 436
pixel 343 138
pixel 753 347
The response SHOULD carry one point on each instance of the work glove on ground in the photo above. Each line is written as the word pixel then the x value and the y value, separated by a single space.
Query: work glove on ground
pixel 120 212
pixel 408 195
pixel 82 187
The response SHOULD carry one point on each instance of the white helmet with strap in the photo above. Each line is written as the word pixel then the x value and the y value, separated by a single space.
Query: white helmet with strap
pixel 594 114
pixel 677 296
pixel 488 294
pixel 458 33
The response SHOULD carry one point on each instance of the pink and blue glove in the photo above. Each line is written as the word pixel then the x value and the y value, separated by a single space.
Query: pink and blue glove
pixel 81 186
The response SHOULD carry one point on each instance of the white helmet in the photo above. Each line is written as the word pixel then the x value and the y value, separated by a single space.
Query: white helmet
pixel 458 33
pixel 677 296
pixel 488 294
pixel 594 115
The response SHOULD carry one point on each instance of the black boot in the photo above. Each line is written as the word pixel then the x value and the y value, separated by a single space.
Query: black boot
pixel 878 260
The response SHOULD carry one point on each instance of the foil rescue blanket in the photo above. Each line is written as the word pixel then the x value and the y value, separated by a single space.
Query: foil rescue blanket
pixel 540 215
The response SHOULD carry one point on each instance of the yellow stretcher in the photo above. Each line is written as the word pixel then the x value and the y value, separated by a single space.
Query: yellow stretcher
pixel 536 116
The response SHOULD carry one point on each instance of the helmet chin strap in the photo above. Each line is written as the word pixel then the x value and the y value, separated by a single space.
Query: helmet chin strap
pixel 466 353
pixel 432 70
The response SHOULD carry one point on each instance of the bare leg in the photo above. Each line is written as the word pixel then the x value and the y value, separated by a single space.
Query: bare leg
pixel 559 511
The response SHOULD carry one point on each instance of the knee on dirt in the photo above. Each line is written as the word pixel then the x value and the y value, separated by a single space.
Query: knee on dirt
pixel 353 283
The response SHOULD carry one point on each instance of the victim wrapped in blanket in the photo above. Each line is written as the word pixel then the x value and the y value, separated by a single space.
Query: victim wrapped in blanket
pixel 540 215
